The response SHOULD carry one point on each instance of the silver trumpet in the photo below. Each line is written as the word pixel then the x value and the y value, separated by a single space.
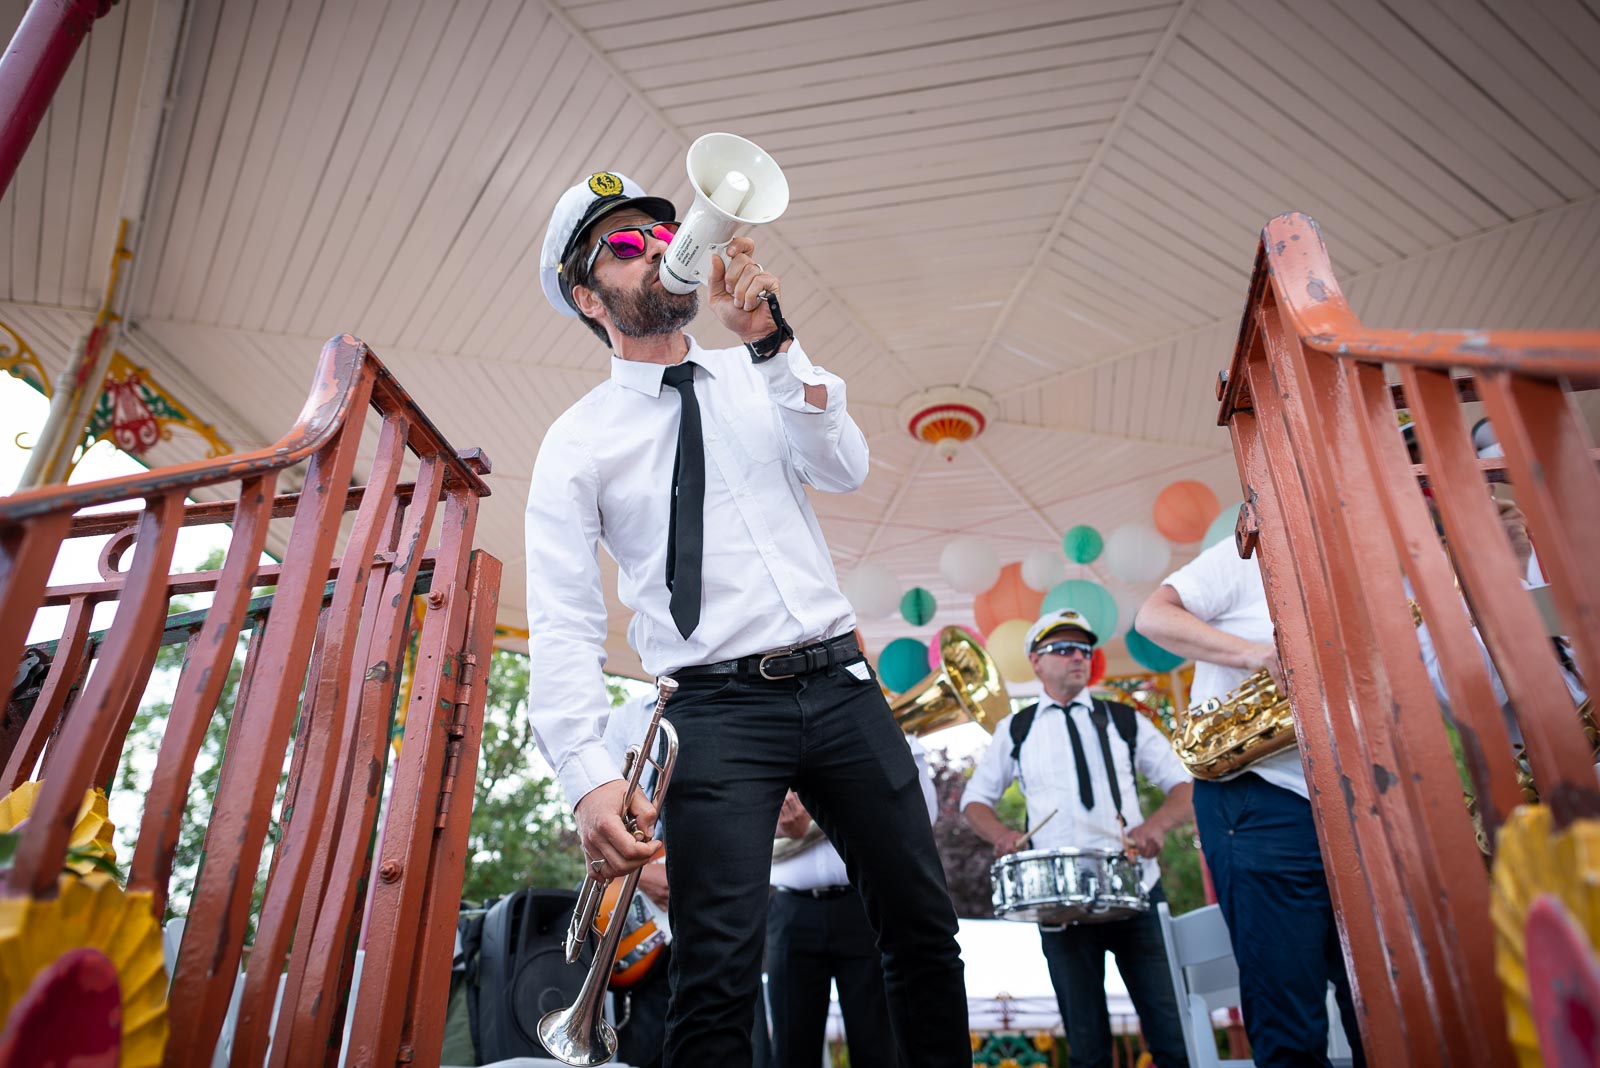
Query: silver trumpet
pixel 579 1034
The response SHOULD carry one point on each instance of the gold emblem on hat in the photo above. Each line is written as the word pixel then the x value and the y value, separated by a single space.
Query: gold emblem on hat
pixel 605 184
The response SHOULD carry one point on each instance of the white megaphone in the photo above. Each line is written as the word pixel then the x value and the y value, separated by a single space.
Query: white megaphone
pixel 735 184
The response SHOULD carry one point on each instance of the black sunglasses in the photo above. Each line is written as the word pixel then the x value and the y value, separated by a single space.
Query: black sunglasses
pixel 1064 648
pixel 629 242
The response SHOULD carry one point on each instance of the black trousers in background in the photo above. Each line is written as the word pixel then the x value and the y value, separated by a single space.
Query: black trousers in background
pixel 811 943
pixel 743 743
pixel 1076 955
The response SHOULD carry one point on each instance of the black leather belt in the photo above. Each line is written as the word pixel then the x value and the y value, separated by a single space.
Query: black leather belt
pixel 783 663
pixel 821 893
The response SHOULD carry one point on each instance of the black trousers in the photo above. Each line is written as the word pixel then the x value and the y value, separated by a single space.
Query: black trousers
pixel 744 742
pixel 1077 959
pixel 810 944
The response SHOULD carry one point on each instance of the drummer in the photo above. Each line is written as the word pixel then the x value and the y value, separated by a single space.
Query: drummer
pixel 1074 756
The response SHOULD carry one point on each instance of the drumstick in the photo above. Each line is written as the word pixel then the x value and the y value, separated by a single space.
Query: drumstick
pixel 1040 824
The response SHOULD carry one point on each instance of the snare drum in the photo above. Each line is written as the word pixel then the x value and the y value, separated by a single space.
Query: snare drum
pixel 1055 887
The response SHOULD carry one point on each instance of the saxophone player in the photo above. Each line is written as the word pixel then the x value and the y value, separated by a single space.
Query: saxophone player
pixel 1255 825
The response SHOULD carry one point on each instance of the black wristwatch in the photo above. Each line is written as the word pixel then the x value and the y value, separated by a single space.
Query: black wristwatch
pixel 764 349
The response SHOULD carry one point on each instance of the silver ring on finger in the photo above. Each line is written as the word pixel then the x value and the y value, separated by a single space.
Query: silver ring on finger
pixel 596 864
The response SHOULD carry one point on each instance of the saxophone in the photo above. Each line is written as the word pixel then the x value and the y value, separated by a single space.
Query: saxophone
pixel 1223 734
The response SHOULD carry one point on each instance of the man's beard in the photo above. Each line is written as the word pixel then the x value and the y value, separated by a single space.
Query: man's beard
pixel 649 311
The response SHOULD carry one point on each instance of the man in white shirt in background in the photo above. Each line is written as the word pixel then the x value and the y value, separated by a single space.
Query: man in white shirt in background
pixel 1075 761
pixel 691 465
pixel 817 933
pixel 1256 827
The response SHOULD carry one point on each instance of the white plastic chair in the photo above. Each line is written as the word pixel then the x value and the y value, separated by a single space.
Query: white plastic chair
pixel 1205 978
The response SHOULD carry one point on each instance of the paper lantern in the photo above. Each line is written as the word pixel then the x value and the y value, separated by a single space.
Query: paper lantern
pixel 1097 666
pixel 1008 598
pixel 1090 599
pixel 1005 648
pixel 935 661
pixel 1148 654
pixel 1082 544
pixel 969 565
pixel 1221 528
pixel 1184 510
pixel 918 606
pixel 1043 568
pixel 872 590
pixel 1137 553
pixel 902 664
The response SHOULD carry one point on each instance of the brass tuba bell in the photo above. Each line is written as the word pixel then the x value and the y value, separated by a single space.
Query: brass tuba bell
pixel 967 686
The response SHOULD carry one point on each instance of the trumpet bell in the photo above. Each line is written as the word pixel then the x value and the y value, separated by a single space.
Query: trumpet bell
pixel 572 1037
pixel 966 687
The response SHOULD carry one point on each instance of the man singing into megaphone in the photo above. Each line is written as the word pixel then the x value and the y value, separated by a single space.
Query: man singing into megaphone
pixel 690 465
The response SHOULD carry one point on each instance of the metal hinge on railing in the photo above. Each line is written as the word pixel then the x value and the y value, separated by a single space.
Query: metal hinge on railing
pixel 456 731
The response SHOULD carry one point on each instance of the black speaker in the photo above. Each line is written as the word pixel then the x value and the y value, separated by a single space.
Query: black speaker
pixel 523 971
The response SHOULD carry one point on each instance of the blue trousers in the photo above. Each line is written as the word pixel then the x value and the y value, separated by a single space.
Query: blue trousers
pixel 1261 845
pixel 1077 959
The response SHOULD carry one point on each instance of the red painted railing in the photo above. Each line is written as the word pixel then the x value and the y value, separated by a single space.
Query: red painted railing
pixel 1340 520
pixel 324 655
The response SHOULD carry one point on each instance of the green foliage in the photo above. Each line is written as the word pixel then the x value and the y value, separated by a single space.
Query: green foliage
pixel 139 759
pixel 522 832
pixel 1180 857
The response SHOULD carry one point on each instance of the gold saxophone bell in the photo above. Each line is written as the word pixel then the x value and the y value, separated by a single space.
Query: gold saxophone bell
pixel 1253 720
pixel 966 688
pixel 579 1034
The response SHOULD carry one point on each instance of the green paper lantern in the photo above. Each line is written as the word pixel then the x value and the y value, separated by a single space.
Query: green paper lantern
pixel 1082 544
pixel 902 664
pixel 918 606
pixel 1148 654
pixel 1221 528
pixel 1090 599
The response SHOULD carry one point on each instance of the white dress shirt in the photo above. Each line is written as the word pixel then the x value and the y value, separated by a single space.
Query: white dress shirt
pixel 821 865
pixel 1048 777
pixel 1220 588
pixel 604 477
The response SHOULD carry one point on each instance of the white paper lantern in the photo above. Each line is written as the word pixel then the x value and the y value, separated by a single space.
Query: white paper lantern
pixel 1137 553
pixel 873 591
pixel 1043 569
pixel 969 565
pixel 1129 601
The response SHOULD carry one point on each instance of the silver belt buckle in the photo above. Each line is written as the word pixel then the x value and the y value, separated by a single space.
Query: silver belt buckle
pixel 761 665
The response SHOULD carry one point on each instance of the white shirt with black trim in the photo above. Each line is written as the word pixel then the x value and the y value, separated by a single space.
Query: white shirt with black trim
pixel 604 477
pixel 1047 773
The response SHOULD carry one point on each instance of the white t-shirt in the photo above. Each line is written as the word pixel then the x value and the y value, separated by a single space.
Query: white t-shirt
pixel 1219 588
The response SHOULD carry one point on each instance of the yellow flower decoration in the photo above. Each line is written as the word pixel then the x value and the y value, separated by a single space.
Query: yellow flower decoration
pixel 91 835
pixel 34 933
pixel 976 1041
pixel 1043 1040
pixel 1532 859
pixel 1009 1062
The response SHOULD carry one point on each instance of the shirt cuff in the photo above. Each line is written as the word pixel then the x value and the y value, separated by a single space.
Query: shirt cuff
pixel 586 769
pixel 787 375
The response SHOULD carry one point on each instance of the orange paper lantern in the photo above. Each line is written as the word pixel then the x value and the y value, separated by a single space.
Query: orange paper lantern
pixel 1008 598
pixel 1184 510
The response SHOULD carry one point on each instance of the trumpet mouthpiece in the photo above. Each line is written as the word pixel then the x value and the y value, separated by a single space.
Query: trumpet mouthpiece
pixel 666 685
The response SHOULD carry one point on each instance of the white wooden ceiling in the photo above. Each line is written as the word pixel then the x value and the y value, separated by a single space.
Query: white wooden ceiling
pixel 1055 201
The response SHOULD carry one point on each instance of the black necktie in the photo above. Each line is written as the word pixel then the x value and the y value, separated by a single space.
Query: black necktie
pixel 1099 715
pixel 686 525
pixel 1079 761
